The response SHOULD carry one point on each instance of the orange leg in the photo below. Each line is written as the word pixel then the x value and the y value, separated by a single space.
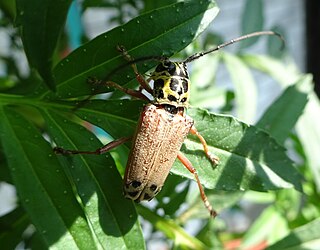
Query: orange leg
pixel 131 92
pixel 212 157
pixel 184 160
pixel 99 151
pixel 144 84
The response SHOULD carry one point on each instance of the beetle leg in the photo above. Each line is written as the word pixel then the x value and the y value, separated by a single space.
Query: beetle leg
pixel 131 92
pixel 142 81
pixel 184 160
pixel 99 151
pixel 212 157
pixel 144 84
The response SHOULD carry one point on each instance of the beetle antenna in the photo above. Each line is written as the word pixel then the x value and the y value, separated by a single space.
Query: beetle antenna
pixel 244 37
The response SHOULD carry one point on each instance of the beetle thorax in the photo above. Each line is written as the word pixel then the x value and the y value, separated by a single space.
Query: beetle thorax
pixel 171 84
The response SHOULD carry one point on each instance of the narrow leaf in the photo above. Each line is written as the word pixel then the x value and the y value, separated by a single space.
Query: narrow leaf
pixel 147 38
pixel 219 200
pixel 41 24
pixel 245 87
pixel 98 185
pixel 275 46
pixel 12 226
pixel 269 226
pixel 285 74
pixel 252 20
pixel 172 230
pixel 309 135
pixel 283 114
pixel 304 237
pixel 117 117
pixel 249 157
pixel 309 122
pixel 43 188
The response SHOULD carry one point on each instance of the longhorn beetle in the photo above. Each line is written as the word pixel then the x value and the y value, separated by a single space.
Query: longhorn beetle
pixel 162 127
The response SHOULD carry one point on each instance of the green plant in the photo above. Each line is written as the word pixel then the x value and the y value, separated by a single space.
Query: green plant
pixel 77 202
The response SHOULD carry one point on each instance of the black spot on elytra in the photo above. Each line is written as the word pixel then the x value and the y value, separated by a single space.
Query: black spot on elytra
pixel 136 184
pixel 153 187
pixel 147 197
pixel 133 194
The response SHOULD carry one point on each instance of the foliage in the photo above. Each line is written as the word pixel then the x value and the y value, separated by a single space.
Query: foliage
pixel 76 202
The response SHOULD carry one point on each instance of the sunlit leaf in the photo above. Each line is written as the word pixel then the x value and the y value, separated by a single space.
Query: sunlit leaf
pixel 42 186
pixel 98 185
pixel 244 85
pixel 283 114
pixel 100 56
pixel 304 237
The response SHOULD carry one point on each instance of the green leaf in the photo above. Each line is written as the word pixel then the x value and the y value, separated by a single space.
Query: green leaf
pixel 270 226
pixel 252 20
pixel 12 225
pixel 283 114
pixel 245 87
pixel 171 197
pixel 42 186
pixel 304 237
pixel 208 235
pixel 309 135
pixel 249 157
pixel 41 23
pixel 309 122
pixel 117 117
pixel 35 242
pixel 4 170
pixel 285 74
pixel 97 3
pixel 98 185
pixel 172 230
pixel 242 166
pixel 203 91
pixel 219 200
pixel 99 57
pixel 275 46
pixel 8 7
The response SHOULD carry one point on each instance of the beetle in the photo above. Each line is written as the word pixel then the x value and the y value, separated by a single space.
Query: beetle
pixel 162 127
